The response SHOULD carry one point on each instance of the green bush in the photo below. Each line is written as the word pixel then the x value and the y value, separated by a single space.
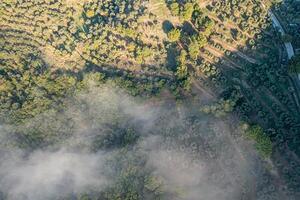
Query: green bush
pixel 174 35
pixel 174 7
pixel 182 71
pixel 287 38
pixel 187 12
pixel 294 65
pixel 263 142
pixel 194 49
pixel 196 43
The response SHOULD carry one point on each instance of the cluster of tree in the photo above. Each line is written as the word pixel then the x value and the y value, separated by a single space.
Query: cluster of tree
pixel 189 45
pixel 107 34
pixel 41 41
pixel 268 77
pixel 133 179
pixel 195 44
pixel 183 10
pixel 246 14
pixel 294 65
pixel 202 22
pixel 263 143
pixel 31 89
pixel 223 106
pixel 289 12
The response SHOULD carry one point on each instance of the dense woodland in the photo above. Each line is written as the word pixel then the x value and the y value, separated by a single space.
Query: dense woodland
pixel 225 53
pixel 288 12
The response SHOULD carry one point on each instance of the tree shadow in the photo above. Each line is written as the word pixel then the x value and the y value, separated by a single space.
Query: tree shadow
pixel 172 53
pixel 188 28
pixel 167 26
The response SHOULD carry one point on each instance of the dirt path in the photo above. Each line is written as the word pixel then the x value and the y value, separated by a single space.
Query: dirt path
pixel 222 56
pixel 234 49
pixel 203 4
pixel 155 6
pixel 199 87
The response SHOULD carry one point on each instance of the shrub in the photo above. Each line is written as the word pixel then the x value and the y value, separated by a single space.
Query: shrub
pixel 194 50
pixel 174 35
pixel 294 65
pixel 174 8
pixel 90 13
pixel 187 12
pixel 263 142
pixel 182 71
pixel 287 38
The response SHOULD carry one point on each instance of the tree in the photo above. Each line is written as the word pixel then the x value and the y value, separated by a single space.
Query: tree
pixel 84 197
pixel 90 13
pixel 194 49
pixel 287 38
pixel 294 65
pixel 187 12
pixel 174 35
pixel 142 54
pixel 182 57
pixel 263 142
pixel 182 71
pixel 196 43
pixel 174 8
pixel 154 184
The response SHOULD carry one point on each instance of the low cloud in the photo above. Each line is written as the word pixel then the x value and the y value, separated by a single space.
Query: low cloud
pixel 203 163
pixel 46 175
pixel 66 164
pixel 197 157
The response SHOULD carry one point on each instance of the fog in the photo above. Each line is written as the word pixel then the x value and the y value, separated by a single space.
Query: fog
pixel 45 174
pixel 195 156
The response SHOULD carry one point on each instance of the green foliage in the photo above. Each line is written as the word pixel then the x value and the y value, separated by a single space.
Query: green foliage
pixel 84 197
pixel 132 179
pixel 90 13
pixel 263 143
pixel 91 79
pixel 223 106
pixel 182 71
pixel 119 137
pixel 28 93
pixel 154 184
pixel 196 43
pixel 187 11
pixel 194 49
pixel 129 32
pixel 287 38
pixel 181 59
pixel 110 35
pixel 220 109
pixel 187 84
pixel 174 35
pixel 201 40
pixel 142 54
pixel 174 7
pixel 142 89
pixel 294 65
pixel 209 26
